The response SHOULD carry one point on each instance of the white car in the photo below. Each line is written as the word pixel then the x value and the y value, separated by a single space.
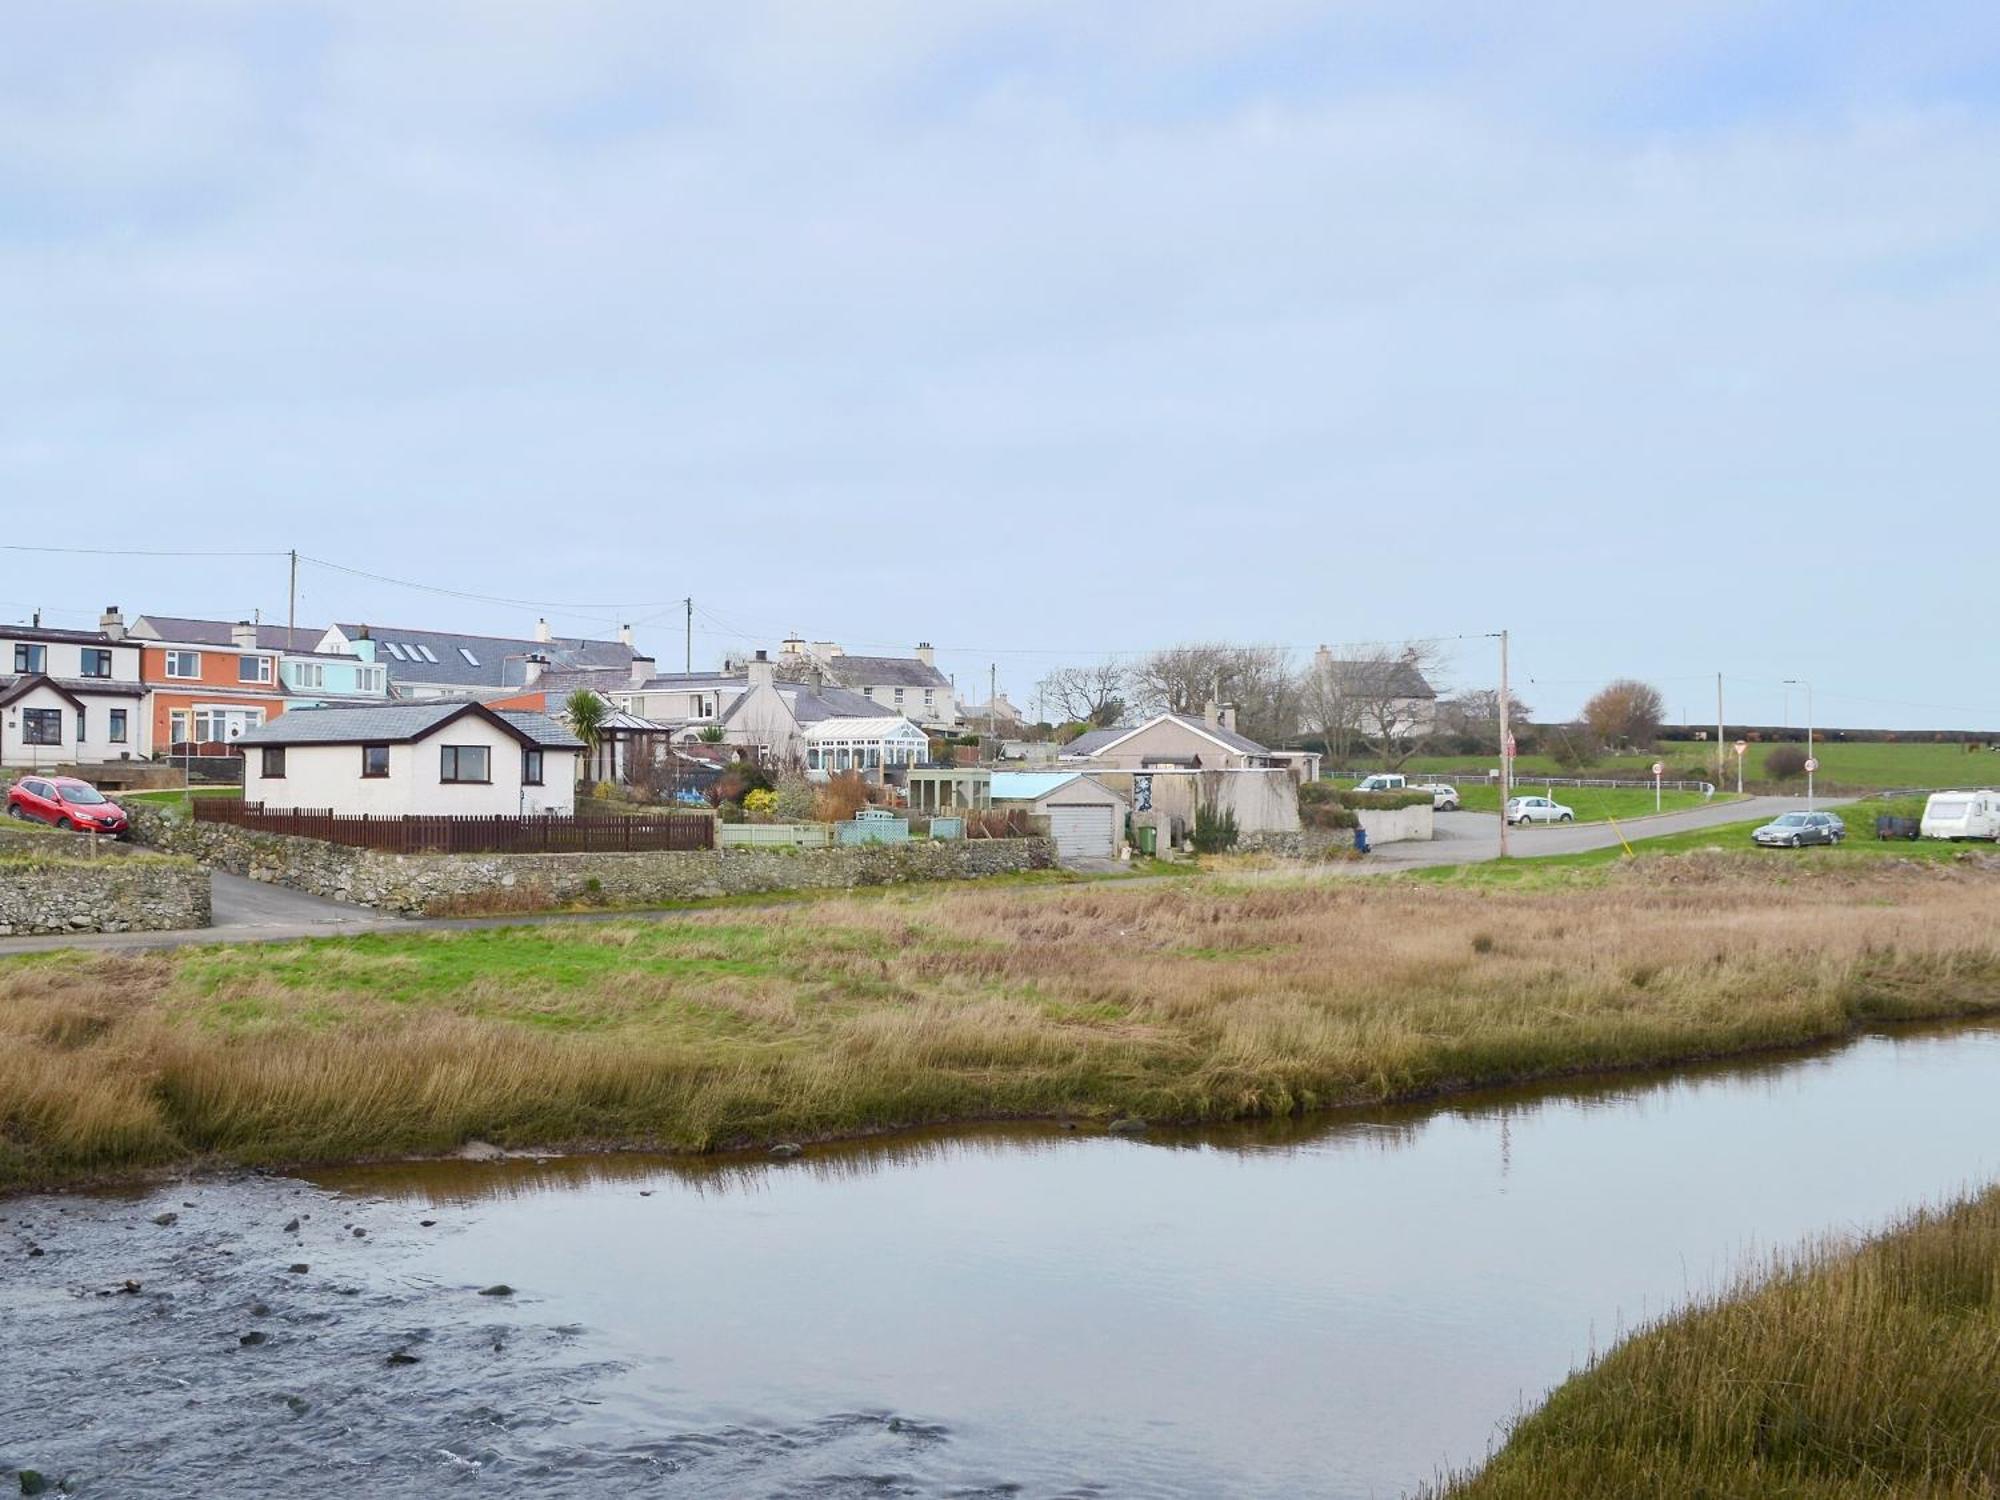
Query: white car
pixel 1381 781
pixel 1443 798
pixel 1524 810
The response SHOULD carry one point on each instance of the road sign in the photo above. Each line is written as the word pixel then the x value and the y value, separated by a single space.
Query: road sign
pixel 1812 765
pixel 1512 746
pixel 1741 746
pixel 1659 767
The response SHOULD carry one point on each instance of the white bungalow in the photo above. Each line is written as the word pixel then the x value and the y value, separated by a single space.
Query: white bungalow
pixel 835 745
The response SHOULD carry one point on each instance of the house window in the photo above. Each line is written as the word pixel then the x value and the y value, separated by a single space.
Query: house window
pixel 309 674
pixel 117 735
pixel 374 760
pixel 80 735
pixel 31 658
pixel 531 768
pixel 177 726
pixel 462 763
pixel 96 662
pixel 930 697
pixel 868 692
pixel 184 664
pixel 41 726
pixel 274 762
pixel 253 669
pixel 899 697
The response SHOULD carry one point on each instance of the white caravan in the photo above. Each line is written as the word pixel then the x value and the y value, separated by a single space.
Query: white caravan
pixel 1961 815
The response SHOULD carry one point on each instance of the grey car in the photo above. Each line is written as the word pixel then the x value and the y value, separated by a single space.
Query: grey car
pixel 1798 828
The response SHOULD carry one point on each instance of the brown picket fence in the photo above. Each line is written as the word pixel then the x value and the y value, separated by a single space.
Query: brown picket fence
pixel 548 833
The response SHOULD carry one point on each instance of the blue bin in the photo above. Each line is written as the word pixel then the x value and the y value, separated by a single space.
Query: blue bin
pixel 1360 839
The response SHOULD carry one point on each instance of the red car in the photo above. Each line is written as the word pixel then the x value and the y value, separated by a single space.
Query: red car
pixel 67 803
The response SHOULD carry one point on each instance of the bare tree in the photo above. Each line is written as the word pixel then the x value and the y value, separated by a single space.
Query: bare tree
pixel 1258 680
pixel 1085 695
pixel 1475 715
pixel 1381 698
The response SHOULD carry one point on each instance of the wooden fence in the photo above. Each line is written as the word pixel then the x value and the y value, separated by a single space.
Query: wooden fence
pixel 540 834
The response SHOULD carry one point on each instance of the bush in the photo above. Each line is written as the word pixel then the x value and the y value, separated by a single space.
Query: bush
pixel 738 779
pixel 841 798
pixel 1785 763
pixel 1318 792
pixel 1385 801
pixel 1327 815
pixel 760 804
pixel 1213 831
pixel 796 798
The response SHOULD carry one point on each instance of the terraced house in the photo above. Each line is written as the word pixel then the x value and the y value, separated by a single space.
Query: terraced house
pixel 71 697
pixel 452 664
pixel 211 681
pixel 909 686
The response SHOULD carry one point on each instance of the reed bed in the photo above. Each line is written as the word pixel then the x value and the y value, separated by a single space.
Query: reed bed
pixel 1190 1001
pixel 1843 1373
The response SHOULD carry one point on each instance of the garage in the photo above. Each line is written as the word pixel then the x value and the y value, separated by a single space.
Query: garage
pixel 1085 817
pixel 1082 830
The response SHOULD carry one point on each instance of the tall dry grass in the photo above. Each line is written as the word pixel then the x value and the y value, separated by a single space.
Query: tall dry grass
pixel 1189 1001
pixel 1845 1374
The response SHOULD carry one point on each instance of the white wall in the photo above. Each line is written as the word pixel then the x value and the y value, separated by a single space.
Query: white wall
pixel 97 746
pixel 329 776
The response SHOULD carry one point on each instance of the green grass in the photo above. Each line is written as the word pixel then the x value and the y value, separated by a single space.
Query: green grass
pixel 176 799
pixel 1855 767
pixel 1847 1373
pixel 1174 1000
pixel 1592 804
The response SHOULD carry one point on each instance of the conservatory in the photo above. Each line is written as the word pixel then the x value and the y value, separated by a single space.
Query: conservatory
pixel 836 745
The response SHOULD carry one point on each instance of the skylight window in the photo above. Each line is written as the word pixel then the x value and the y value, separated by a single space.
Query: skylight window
pixel 426 653
pixel 470 659
pixel 393 649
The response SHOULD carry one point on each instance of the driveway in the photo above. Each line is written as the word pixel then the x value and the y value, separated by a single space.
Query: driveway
pixel 1465 838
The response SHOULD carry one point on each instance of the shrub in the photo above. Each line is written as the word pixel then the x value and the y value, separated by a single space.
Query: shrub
pixel 760 803
pixel 795 798
pixel 1213 831
pixel 1385 801
pixel 1318 791
pixel 841 798
pixel 1785 763
pixel 1327 815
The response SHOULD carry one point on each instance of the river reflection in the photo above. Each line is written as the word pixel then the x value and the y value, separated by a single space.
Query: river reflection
pixel 1339 1308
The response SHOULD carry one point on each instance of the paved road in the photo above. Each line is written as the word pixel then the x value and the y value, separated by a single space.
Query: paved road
pixel 1466 838
pixel 250 911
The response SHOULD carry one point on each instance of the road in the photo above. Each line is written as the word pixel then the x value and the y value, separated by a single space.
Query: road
pixel 1466 838
pixel 251 911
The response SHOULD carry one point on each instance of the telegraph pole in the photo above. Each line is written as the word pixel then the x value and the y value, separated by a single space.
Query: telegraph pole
pixel 292 609
pixel 689 660
pixel 992 695
pixel 1719 763
pixel 1506 746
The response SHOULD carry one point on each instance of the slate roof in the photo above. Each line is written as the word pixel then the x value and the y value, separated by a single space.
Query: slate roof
pixel 12 686
pixel 1096 741
pixel 41 633
pixel 496 661
pixel 883 671
pixel 1389 679
pixel 810 706
pixel 180 630
pixel 1241 743
pixel 399 723
pixel 667 682
pixel 1093 740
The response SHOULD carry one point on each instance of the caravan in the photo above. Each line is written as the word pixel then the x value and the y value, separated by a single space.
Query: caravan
pixel 1962 815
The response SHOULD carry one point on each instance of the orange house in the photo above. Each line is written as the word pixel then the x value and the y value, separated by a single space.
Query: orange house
pixel 210 681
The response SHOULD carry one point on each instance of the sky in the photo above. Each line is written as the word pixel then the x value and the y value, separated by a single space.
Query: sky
pixel 1661 336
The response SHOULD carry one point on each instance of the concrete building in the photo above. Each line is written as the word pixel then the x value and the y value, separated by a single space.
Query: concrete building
pixel 1086 817
pixel 425 758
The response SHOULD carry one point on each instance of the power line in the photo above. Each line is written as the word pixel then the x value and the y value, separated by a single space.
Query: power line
pixel 451 593
pixel 129 551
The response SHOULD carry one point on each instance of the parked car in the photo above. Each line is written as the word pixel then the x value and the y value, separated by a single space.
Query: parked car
pixel 1798 828
pixel 68 803
pixel 1443 798
pixel 1384 781
pixel 1525 810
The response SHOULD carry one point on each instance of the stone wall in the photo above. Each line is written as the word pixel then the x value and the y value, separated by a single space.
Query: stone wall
pixel 1307 843
pixel 101 895
pixel 421 884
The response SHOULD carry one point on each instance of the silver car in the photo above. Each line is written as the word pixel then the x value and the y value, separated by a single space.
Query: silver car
pixel 1795 829
pixel 1523 810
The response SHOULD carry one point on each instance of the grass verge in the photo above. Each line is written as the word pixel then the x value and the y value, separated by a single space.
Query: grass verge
pixel 1198 1000
pixel 1843 1373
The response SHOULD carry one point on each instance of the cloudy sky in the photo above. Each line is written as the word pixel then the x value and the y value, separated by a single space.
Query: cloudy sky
pixel 1664 336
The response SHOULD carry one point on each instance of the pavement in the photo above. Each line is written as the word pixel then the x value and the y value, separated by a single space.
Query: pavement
pixel 252 911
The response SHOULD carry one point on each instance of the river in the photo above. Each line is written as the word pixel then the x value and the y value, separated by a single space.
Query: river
pixel 1340 1308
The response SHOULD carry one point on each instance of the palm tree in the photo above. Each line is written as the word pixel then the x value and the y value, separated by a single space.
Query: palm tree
pixel 585 712
pixel 711 734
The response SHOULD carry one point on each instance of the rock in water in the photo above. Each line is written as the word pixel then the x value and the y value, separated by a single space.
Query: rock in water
pixel 293 1227
pixel 498 1289
pixel 298 1268
pixel 163 1220
pixel 1130 1125
pixel 252 1339
pixel 34 1482
pixel 786 1150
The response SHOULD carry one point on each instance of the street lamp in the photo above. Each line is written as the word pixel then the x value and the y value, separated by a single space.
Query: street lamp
pixel 1812 765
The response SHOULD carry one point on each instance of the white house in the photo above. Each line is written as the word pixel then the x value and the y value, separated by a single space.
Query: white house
pixel 421 758
pixel 772 717
pixel 72 697
pixel 908 685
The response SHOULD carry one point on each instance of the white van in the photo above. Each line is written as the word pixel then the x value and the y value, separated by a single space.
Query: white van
pixel 1961 815
pixel 1382 781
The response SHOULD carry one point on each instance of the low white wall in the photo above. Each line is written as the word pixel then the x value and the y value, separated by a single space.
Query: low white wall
pixel 1398 825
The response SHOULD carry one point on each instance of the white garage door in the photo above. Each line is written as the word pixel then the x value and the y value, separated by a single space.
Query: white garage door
pixel 1081 830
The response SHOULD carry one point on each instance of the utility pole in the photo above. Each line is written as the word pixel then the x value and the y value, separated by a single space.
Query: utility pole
pixel 1719 762
pixel 992 697
pixel 689 660
pixel 1506 746
pixel 292 609
pixel 1791 682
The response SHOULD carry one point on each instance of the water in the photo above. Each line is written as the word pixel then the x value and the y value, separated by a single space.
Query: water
pixel 1338 1310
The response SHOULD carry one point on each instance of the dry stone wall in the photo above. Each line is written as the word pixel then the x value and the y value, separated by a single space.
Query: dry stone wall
pixel 423 884
pixel 101 895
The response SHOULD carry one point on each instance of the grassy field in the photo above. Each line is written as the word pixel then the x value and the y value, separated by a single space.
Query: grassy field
pixel 1185 1001
pixel 1847 1374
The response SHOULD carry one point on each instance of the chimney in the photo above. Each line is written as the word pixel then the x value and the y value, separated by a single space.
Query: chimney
pixel 643 669
pixel 542 630
pixel 243 636
pixel 826 650
pixel 624 635
pixel 1228 716
pixel 760 670
pixel 531 667
pixel 792 645
pixel 1211 713
pixel 926 654
pixel 112 623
